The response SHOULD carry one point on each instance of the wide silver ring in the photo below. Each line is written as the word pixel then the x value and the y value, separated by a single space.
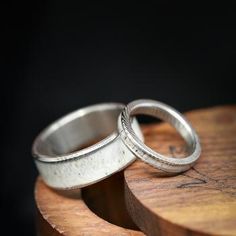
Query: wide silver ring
pixel 166 113
pixel 62 167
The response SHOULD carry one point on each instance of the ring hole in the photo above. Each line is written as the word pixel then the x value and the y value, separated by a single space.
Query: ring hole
pixel 87 144
pixel 164 138
pixel 72 131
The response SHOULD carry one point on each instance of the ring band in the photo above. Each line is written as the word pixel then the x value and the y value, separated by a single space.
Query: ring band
pixel 166 113
pixel 63 168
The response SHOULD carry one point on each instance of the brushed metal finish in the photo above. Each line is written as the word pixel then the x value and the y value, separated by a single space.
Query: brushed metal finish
pixel 166 113
pixel 63 168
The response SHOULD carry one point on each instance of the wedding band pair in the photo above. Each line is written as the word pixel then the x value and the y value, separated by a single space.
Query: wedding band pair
pixel 63 166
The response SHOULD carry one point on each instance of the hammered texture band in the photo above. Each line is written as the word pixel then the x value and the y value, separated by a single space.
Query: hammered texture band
pixel 168 114
pixel 62 167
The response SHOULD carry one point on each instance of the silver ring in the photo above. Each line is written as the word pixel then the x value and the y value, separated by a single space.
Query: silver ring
pixel 63 168
pixel 166 113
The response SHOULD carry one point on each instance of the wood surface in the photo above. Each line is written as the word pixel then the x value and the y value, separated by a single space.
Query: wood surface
pixel 84 212
pixel 201 201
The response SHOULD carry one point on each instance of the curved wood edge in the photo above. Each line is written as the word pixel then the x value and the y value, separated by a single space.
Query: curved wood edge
pixel 60 214
pixel 145 219
pixel 162 206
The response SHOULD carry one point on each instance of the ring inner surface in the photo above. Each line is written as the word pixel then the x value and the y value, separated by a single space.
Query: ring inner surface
pixel 172 118
pixel 73 135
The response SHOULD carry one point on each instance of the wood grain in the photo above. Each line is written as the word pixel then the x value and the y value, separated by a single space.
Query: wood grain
pixel 201 201
pixel 66 213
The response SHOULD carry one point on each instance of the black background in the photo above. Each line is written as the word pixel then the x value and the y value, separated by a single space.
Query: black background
pixel 59 56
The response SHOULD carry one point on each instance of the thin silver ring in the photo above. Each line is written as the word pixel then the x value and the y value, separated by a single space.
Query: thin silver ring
pixel 64 168
pixel 166 113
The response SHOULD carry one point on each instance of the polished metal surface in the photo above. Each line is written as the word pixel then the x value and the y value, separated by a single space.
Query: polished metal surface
pixel 166 113
pixel 57 160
